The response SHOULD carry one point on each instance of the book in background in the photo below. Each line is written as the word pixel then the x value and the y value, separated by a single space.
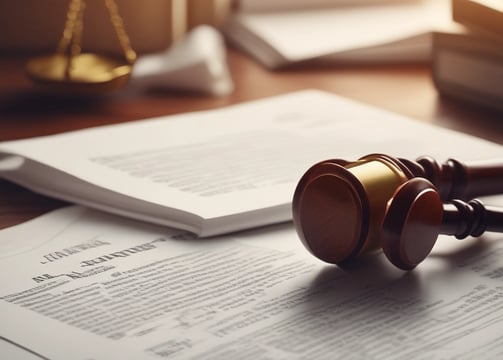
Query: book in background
pixel 281 5
pixel 282 33
pixel 468 62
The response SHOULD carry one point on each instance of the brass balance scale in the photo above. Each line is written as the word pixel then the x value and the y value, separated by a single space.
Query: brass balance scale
pixel 69 69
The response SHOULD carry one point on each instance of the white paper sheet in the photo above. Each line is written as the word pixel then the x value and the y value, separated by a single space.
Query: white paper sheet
pixel 226 169
pixel 79 284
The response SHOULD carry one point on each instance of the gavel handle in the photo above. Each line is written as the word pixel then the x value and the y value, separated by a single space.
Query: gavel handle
pixel 471 218
pixel 416 215
pixel 483 179
pixel 457 180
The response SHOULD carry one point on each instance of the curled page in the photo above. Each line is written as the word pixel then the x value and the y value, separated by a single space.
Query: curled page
pixel 195 63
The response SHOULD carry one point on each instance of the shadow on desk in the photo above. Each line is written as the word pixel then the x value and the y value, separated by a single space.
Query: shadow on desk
pixel 19 204
pixel 34 103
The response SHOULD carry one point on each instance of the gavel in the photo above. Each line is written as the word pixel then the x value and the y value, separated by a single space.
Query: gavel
pixel 343 209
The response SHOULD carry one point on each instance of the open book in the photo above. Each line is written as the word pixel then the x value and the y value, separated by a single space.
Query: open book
pixel 282 33
pixel 221 170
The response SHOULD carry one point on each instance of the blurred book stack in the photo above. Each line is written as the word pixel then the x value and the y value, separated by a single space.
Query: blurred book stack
pixel 468 63
pixel 286 32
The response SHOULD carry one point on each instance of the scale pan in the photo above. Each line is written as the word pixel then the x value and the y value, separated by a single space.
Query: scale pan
pixel 86 72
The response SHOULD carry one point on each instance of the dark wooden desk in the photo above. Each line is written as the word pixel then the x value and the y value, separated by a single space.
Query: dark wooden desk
pixel 406 89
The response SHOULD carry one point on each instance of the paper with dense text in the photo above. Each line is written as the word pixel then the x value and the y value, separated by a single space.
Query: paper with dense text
pixel 223 170
pixel 80 284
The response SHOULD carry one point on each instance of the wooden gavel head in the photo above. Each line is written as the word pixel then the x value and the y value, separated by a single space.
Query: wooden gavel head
pixel 342 209
pixel 415 216
pixel 411 223
pixel 338 206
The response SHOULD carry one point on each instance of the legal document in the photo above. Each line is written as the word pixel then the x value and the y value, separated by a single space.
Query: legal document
pixel 81 284
pixel 222 170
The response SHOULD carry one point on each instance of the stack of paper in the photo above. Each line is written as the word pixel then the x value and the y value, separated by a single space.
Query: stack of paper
pixel 371 32
pixel 468 63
